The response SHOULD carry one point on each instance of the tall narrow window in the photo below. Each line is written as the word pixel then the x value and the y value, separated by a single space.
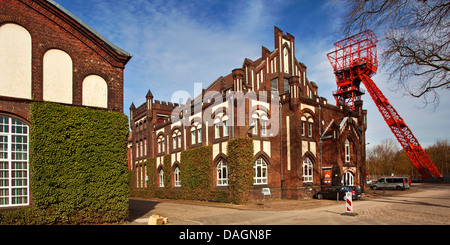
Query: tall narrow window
pixel 286 87
pixel 177 177
pixel 347 151
pixel 274 85
pixel 255 124
pixel 225 128
pixel 222 173
pixel 193 136
pixel 176 136
pixel 137 148
pixel 307 170
pixel 303 128
pixel 161 178
pixel 310 126
pixel 161 143
pixel 14 189
pixel 263 122
pixel 199 135
pixel 260 169
pixel 216 131
pixel 145 147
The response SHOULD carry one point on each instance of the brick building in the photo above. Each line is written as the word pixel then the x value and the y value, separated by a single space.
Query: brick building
pixel 48 54
pixel 294 148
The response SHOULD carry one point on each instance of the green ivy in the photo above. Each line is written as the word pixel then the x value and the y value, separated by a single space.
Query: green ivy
pixel 195 168
pixel 240 168
pixel 167 172
pixel 78 163
pixel 196 175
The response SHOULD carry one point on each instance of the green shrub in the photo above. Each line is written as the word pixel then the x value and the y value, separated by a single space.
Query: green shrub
pixel 78 163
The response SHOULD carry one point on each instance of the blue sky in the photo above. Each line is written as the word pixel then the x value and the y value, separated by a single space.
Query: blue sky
pixel 178 43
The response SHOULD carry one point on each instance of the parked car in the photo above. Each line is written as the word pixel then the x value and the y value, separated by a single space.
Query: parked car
pixel 399 183
pixel 334 191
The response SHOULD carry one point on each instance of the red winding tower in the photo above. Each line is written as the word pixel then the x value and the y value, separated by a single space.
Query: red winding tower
pixel 354 61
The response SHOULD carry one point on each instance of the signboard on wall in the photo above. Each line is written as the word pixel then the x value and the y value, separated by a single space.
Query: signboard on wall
pixel 327 176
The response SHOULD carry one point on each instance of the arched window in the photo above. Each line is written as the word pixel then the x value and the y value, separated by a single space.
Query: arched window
pixel 161 144
pixel 307 125
pixel 260 167
pixel 58 84
pixel 259 123
pixel 95 91
pixel 196 133
pixel 13 162
pixel 161 178
pixel 348 178
pixel 176 175
pixel 222 173
pixel 176 139
pixel 193 135
pixel 307 170
pixel 15 61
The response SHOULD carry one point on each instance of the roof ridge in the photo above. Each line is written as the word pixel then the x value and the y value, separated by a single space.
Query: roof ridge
pixel 89 28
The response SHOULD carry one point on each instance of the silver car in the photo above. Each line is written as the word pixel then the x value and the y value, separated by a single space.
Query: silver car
pixel 399 183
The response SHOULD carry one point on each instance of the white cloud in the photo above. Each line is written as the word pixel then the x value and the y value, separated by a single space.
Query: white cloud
pixel 178 43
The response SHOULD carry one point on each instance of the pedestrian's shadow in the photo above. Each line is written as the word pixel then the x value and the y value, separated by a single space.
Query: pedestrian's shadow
pixel 139 208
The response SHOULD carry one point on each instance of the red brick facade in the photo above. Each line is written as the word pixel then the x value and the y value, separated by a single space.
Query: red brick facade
pixel 293 159
pixel 48 26
pixel 52 27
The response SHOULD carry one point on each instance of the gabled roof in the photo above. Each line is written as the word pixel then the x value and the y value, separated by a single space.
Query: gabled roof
pixel 120 56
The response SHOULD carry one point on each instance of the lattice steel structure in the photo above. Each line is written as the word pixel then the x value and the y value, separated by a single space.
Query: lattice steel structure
pixel 354 61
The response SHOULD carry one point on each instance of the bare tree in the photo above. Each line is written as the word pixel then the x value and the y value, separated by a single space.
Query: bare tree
pixel 416 41
pixel 381 158
pixel 439 153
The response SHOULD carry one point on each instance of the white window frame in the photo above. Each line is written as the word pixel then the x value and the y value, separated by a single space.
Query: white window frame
pixel 303 128
pixel 310 126
pixel 176 175
pixel 260 169
pixel 263 127
pixel 308 170
pixel 161 178
pixel 348 178
pixel 222 173
pixel 161 143
pixel 216 131
pixel 199 135
pixel 225 128
pixel 347 151
pixel 176 136
pixel 14 167
pixel 193 136
pixel 255 128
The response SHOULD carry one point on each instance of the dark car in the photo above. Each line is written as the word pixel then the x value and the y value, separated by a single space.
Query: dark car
pixel 333 192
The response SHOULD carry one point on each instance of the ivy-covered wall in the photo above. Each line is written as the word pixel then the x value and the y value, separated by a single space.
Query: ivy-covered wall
pixel 78 166
pixel 240 167
pixel 196 174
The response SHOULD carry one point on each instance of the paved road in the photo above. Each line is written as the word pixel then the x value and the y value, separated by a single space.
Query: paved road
pixel 430 204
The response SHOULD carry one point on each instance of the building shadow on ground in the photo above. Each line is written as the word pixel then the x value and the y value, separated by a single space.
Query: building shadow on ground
pixel 139 208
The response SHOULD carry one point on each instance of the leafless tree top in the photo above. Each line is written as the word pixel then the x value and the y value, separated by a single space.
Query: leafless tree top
pixel 416 41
